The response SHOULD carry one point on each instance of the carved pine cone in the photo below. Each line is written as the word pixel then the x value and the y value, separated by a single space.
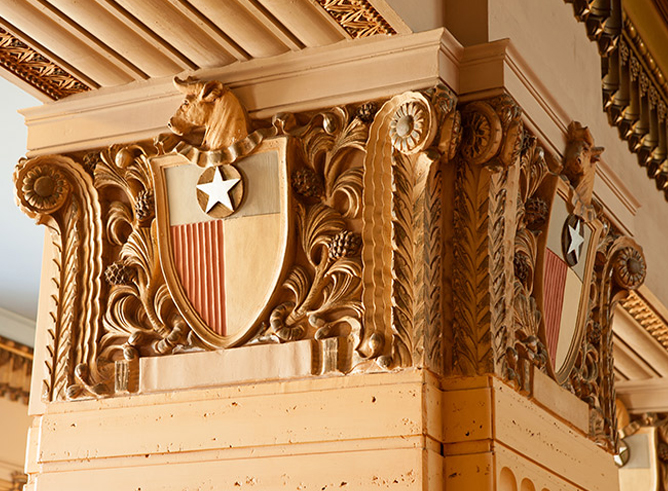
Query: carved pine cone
pixel 662 452
pixel 307 183
pixel 366 112
pixel 119 274
pixel 522 267
pixel 90 161
pixel 535 213
pixel 144 205
pixel 345 244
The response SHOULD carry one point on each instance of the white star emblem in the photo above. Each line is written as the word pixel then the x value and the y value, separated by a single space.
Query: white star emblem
pixel 218 191
pixel 576 240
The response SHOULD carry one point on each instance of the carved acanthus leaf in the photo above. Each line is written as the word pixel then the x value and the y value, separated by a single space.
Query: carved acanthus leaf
pixel 492 137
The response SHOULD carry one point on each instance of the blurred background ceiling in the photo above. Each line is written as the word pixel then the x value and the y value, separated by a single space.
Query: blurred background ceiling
pixel 21 246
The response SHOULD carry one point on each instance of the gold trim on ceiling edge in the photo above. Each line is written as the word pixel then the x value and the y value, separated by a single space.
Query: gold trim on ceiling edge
pixel 635 92
pixel 357 17
pixel 15 370
pixel 647 317
pixel 27 64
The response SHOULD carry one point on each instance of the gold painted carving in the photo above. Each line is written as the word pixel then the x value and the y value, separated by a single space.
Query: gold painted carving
pixel 580 168
pixel 210 115
pixel 33 68
pixel 15 370
pixel 647 317
pixel 358 17
pixel 112 306
pixel 491 140
pixel 323 286
pixel 504 190
pixel 412 135
pixel 57 192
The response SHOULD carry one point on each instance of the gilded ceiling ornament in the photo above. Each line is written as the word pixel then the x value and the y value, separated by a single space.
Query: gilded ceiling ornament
pixel 35 69
pixel 647 317
pixel 635 90
pixel 358 17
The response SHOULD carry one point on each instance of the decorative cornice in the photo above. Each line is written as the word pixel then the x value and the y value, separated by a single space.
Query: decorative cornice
pixel 357 17
pixel 15 370
pixel 635 91
pixel 647 317
pixel 36 70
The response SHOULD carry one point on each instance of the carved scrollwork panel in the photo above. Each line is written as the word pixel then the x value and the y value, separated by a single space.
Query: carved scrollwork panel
pixel 403 243
pixel 491 139
pixel 57 192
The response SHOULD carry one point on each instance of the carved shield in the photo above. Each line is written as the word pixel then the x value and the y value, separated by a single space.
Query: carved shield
pixel 223 237
pixel 564 278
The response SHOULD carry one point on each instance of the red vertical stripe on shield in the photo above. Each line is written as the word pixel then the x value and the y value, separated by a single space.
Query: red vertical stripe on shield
pixel 554 283
pixel 198 258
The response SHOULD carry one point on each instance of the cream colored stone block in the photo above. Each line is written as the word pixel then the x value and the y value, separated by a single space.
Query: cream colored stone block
pixel 395 469
pixel 527 474
pixel 469 472
pixel 223 419
pixel 225 367
pixel 560 401
pixel 467 415
pixel 522 426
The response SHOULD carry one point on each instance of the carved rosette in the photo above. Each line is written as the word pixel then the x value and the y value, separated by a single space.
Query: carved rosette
pixel 402 230
pixel 492 136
